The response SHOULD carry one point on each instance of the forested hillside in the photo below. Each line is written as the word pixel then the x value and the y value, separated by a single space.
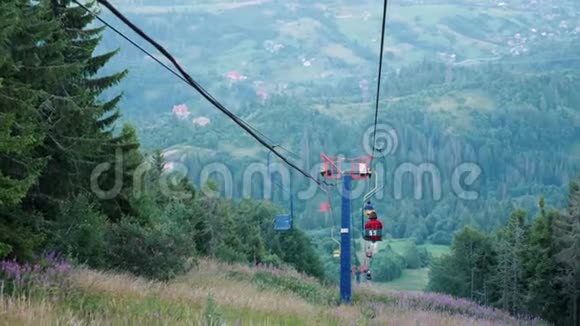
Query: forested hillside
pixel 524 267
pixel 500 96
pixel 58 190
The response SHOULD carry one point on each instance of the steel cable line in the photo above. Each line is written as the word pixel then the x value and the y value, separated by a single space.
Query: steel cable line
pixel 383 27
pixel 190 81
pixel 385 5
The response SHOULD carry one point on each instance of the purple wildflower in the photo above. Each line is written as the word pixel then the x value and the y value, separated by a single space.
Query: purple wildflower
pixel 49 272
pixel 449 304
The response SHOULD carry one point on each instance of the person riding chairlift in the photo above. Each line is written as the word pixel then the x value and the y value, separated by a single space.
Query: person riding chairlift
pixel 364 268
pixel 373 228
pixel 368 209
pixel 369 252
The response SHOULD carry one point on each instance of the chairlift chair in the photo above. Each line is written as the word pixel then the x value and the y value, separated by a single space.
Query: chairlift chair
pixel 283 222
pixel 373 229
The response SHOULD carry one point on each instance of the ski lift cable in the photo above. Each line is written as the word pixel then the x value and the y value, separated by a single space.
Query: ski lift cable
pixel 152 56
pixel 385 5
pixel 190 81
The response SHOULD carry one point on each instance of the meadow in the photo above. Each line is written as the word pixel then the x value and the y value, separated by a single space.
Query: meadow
pixel 411 279
pixel 217 294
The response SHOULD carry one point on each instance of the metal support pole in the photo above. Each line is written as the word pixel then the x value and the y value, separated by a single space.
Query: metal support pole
pixel 345 245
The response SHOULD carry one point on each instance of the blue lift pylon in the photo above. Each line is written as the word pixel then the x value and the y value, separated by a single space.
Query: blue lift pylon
pixel 332 169
pixel 345 253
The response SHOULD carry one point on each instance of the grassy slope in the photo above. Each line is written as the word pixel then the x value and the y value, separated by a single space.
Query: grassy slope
pixel 412 280
pixel 217 294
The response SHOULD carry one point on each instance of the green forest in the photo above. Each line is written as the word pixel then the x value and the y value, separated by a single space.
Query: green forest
pixel 57 129
pixel 525 266
pixel 98 171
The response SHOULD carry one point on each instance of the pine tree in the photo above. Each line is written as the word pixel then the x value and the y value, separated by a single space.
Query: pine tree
pixel 509 275
pixel 467 271
pixel 29 58
pixel 129 164
pixel 474 253
pixel 567 229
pixel 78 123
pixel 20 131
pixel 55 129
pixel 60 108
pixel 540 267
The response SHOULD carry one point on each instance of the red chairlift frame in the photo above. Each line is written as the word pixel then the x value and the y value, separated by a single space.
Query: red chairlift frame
pixel 359 167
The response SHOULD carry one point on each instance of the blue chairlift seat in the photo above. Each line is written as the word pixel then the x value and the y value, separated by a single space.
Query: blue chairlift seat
pixel 283 222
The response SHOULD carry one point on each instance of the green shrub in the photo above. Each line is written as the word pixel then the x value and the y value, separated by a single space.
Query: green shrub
pixel 158 252
pixel 441 238
pixel 273 260
pixel 425 256
pixel 79 232
pixel 5 249
pixel 387 265
pixel 295 248
pixel 412 256
pixel 20 234
pixel 230 255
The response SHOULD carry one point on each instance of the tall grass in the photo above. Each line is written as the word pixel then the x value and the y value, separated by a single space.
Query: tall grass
pixel 222 294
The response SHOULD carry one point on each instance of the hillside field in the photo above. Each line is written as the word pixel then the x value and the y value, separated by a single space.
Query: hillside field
pixel 222 294
pixel 411 279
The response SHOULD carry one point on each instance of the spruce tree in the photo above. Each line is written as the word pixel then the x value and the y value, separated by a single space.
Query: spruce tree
pixel 29 59
pixel 20 131
pixel 567 229
pixel 540 268
pixel 475 261
pixel 509 274
pixel 80 134
pixel 130 164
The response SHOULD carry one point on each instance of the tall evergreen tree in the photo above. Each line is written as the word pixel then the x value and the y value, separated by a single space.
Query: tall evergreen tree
pixel 30 58
pixel 55 127
pixel 540 267
pixel 567 229
pixel 123 178
pixel 467 271
pixel 20 131
pixel 509 274
pixel 78 123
